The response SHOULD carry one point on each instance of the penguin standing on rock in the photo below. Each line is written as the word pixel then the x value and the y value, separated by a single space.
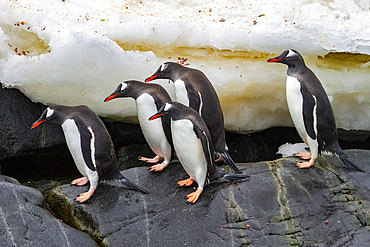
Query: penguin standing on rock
pixel 194 148
pixel 149 98
pixel 311 111
pixel 193 89
pixel 90 145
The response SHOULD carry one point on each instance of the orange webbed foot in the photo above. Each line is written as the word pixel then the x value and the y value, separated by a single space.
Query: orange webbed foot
pixel 186 182
pixel 307 164
pixel 83 197
pixel 148 160
pixel 158 167
pixel 304 156
pixel 193 197
pixel 80 181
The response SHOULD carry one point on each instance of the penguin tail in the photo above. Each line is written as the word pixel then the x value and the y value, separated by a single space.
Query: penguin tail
pixel 130 184
pixel 346 161
pixel 225 157
pixel 235 177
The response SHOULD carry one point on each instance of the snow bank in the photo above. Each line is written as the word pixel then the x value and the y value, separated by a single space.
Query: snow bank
pixel 69 52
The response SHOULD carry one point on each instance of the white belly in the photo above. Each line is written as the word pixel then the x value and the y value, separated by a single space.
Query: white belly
pixel 295 105
pixel 181 92
pixel 189 150
pixel 152 130
pixel 73 140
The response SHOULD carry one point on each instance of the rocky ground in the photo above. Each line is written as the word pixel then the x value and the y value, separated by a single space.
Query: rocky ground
pixel 24 220
pixel 280 205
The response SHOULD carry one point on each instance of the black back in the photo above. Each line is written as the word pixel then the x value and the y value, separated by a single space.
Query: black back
pixel 196 81
pixel 84 117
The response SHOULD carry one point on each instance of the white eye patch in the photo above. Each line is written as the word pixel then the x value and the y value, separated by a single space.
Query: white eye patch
pixel 167 106
pixel 49 112
pixel 123 86
pixel 291 53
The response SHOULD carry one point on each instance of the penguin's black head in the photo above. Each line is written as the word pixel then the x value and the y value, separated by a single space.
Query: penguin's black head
pixel 165 71
pixel 121 91
pixel 288 57
pixel 48 115
pixel 163 111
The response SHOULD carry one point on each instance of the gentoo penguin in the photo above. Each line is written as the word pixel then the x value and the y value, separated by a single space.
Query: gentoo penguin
pixel 193 89
pixel 193 145
pixel 90 145
pixel 311 111
pixel 149 98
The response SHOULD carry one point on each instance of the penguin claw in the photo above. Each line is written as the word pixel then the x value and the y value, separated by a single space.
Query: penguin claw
pixel 83 197
pixel 307 164
pixel 80 181
pixel 186 182
pixel 304 156
pixel 193 197
pixel 148 160
pixel 158 168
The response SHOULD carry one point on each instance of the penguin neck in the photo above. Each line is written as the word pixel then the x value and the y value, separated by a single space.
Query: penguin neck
pixel 294 69
pixel 175 114
pixel 175 76
pixel 136 92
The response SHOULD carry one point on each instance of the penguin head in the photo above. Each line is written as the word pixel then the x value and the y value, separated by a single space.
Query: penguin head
pixel 165 71
pixel 122 90
pixel 49 114
pixel 163 111
pixel 289 57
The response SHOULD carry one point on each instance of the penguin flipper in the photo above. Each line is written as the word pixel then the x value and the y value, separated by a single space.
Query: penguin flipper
pixel 166 124
pixel 309 103
pixel 225 157
pixel 207 150
pixel 346 161
pixel 86 138
pixel 130 184
pixel 194 98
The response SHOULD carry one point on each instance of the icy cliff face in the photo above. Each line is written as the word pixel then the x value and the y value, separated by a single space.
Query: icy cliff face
pixel 69 52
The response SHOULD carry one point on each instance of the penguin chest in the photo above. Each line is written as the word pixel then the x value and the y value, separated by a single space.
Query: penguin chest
pixel 152 130
pixel 189 149
pixel 181 92
pixel 295 105
pixel 73 140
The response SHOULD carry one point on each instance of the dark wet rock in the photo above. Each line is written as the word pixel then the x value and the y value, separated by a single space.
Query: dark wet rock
pixel 281 205
pixel 124 133
pixel 26 153
pixel 45 186
pixel 25 222
pixel 128 155
pixel 263 145
pixel 17 115
pixel 259 146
